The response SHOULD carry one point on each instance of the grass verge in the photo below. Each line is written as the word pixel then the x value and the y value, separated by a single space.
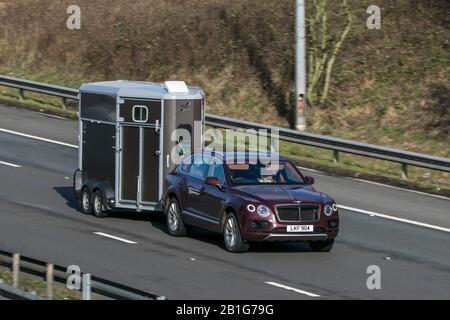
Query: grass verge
pixel 39 286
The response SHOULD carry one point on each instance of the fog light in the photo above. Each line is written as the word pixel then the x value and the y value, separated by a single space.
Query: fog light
pixel 333 223
pixel 258 225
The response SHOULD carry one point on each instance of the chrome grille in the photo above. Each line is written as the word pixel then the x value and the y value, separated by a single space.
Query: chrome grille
pixel 299 213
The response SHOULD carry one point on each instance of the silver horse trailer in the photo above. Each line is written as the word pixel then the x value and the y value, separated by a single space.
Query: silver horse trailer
pixel 129 133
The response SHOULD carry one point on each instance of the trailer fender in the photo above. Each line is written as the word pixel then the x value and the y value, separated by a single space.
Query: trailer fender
pixel 105 189
pixel 79 179
pixel 107 193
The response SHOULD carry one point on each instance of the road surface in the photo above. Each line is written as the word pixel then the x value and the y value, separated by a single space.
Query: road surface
pixel 39 218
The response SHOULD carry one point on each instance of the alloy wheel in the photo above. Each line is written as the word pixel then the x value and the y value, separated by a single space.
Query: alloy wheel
pixel 230 232
pixel 173 216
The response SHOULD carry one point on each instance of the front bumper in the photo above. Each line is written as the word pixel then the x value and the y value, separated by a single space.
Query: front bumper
pixel 296 237
pixel 258 229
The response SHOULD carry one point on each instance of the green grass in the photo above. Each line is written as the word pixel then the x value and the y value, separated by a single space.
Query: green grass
pixel 39 286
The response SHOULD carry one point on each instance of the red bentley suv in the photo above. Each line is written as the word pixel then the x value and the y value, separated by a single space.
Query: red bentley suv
pixel 249 201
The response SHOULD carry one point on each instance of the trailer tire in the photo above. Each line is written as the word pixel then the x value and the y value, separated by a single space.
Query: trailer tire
pixel 85 201
pixel 174 221
pixel 98 207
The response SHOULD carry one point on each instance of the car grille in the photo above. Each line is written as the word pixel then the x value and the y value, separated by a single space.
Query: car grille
pixel 302 212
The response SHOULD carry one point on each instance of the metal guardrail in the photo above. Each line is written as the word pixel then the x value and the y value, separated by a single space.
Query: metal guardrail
pixel 44 88
pixel 49 272
pixel 337 145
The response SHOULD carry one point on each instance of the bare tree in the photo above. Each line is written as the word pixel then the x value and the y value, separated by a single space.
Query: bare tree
pixel 324 47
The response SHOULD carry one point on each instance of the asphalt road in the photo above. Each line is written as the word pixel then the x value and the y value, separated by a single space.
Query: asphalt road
pixel 39 218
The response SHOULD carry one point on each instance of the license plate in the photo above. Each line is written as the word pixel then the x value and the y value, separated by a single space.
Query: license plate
pixel 301 228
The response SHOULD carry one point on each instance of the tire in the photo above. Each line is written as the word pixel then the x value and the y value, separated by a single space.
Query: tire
pixel 232 235
pixel 98 206
pixel 85 201
pixel 321 246
pixel 174 221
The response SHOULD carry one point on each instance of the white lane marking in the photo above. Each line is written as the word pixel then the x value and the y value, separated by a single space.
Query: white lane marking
pixel 282 286
pixel 114 237
pixel 398 188
pixel 385 216
pixel 10 164
pixel 38 138
pixel 51 116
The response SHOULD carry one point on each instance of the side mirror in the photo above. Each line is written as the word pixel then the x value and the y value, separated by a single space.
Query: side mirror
pixel 213 181
pixel 310 180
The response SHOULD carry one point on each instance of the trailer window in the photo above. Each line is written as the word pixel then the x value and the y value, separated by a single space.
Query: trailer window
pixel 140 114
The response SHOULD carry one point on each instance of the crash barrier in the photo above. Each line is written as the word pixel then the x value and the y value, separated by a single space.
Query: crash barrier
pixel 336 145
pixel 88 284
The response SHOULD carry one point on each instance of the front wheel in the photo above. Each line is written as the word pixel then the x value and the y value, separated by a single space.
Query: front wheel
pixel 321 246
pixel 232 235
pixel 174 221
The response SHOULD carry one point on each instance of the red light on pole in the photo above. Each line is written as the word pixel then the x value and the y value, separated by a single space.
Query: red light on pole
pixel 301 102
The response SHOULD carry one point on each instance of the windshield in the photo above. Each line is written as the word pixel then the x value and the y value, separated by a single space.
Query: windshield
pixel 260 174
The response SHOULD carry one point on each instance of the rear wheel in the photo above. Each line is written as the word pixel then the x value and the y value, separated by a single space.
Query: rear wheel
pixel 321 246
pixel 85 201
pixel 232 235
pixel 97 205
pixel 174 221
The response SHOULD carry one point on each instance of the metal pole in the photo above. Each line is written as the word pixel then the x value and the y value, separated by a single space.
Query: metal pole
pixel 15 270
pixel 404 171
pixel 300 70
pixel 86 290
pixel 49 277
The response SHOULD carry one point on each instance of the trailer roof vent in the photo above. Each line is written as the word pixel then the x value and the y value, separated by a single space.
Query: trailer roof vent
pixel 176 87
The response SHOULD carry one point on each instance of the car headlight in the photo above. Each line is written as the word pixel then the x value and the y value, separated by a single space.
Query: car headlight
pixel 264 211
pixel 251 208
pixel 328 210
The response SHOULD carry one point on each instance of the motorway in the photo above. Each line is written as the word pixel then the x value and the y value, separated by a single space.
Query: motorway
pixel 39 218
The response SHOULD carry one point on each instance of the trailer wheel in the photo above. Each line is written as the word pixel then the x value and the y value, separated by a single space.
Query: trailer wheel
pixel 175 223
pixel 97 205
pixel 85 201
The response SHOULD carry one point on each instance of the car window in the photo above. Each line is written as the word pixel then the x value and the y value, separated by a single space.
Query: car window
pixel 259 174
pixel 186 165
pixel 198 168
pixel 216 170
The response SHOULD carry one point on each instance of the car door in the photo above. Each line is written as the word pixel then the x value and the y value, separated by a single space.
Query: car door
pixel 213 198
pixel 195 186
